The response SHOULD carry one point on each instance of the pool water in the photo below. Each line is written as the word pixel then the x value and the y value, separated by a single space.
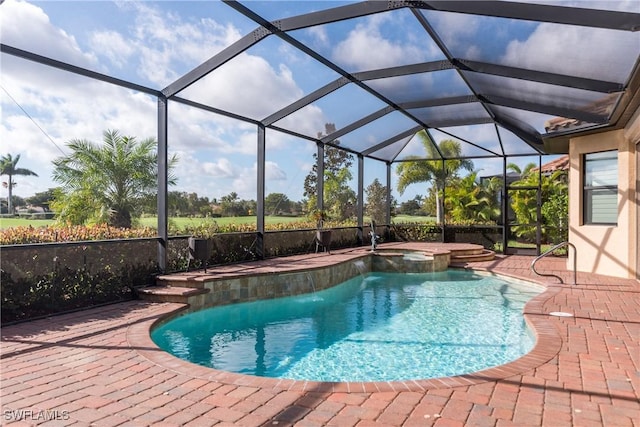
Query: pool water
pixel 378 327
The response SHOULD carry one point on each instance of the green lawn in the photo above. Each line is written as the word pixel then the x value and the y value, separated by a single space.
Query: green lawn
pixel 21 222
pixel 184 222
pixel 412 219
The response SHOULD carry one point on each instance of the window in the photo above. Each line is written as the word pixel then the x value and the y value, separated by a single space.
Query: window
pixel 601 188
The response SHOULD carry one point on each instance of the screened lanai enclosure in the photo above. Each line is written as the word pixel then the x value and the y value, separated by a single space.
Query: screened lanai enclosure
pixel 302 99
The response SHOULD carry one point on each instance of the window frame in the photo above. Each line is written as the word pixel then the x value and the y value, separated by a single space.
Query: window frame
pixel 589 190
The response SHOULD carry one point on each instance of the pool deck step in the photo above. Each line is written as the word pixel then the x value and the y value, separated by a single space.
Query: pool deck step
pixel 181 282
pixel 427 255
pixel 484 255
pixel 178 287
pixel 169 293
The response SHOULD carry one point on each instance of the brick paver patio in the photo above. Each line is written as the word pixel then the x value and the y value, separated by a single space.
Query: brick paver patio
pixel 99 367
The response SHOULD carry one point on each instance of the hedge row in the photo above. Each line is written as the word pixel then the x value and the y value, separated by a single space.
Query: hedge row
pixel 69 233
pixel 75 233
pixel 65 289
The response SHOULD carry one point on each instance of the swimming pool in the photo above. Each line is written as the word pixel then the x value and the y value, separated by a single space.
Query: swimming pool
pixel 378 327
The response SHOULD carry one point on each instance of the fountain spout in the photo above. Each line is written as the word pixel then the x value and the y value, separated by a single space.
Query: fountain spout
pixel 374 237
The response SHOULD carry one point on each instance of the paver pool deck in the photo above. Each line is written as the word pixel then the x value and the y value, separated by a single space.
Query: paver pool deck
pixel 99 367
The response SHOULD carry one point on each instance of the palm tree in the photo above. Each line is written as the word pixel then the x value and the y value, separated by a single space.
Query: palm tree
pixel 522 172
pixel 471 200
pixel 554 207
pixel 8 167
pixel 419 170
pixel 107 180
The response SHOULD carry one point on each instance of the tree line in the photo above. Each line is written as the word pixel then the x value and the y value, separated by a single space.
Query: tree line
pixel 116 182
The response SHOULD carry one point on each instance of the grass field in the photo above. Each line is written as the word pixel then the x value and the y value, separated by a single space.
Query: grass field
pixel 180 222
pixel 21 222
pixel 184 222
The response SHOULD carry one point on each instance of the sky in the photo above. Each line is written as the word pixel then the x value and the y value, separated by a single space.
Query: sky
pixel 155 43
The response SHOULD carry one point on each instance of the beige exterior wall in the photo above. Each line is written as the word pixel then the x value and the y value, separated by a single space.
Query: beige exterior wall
pixel 608 250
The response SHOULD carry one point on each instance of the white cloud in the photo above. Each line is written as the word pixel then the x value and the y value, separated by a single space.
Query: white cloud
pixel 458 29
pixel 112 45
pixel 273 172
pixel 216 152
pixel 587 52
pixel 169 46
pixel 319 35
pixel 63 107
pixel 307 121
pixel 247 85
pixel 223 168
pixel 27 27
pixel 365 48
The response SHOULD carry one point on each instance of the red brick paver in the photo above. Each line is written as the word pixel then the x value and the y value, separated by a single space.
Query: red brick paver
pixel 99 367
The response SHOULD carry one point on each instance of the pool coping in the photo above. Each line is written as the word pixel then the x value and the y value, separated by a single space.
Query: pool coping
pixel 547 345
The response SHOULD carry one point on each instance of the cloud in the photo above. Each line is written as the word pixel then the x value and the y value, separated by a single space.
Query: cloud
pixel 586 52
pixel 273 172
pixel 247 85
pixel 223 168
pixel 167 45
pixel 458 31
pixel 113 46
pixel 365 48
pixel 60 107
pixel 66 106
pixel 319 35
pixel 27 27
pixel 309 120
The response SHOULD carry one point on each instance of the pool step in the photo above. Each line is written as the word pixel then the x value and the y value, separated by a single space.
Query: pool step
pixel 169 293
pixel 183 286
pixel 472 256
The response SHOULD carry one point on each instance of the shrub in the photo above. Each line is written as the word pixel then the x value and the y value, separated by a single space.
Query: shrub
pixel 69 233
pixel 65 289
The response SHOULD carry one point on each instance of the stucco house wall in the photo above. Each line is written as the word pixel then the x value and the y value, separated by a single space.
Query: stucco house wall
pixel 606 249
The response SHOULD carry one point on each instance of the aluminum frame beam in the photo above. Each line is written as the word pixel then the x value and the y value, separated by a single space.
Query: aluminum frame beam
pixel 306 100
pixel 404 70
pixel 544 109
pixel 163 183
pixel 335 14
pixel 275 29
pixel 469 142
pixel 530 136
pixel 539 76
pixel 613 20
pixel 215 61
pixel 439 102
pixel 357 124
pixel 531 12
pixel 392 140
pixel 54 63
pixel 260 180
pixel 361 76
pixel 360 202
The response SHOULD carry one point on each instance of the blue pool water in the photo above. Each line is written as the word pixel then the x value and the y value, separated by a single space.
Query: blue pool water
pixel 378 327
